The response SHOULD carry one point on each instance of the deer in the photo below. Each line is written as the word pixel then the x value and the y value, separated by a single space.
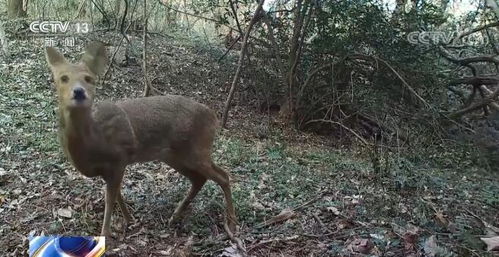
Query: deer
pixel 102 138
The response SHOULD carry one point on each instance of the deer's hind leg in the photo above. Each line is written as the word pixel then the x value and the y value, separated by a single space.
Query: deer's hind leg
pixel 218 175
pixel 124 210
pixel 197 182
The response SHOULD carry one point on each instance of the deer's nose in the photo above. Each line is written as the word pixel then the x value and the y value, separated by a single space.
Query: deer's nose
pixel 79 94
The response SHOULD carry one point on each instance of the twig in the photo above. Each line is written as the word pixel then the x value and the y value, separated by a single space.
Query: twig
pixel 102 11
pixel 273 240
pixel 365 57
pixel 343 126
pixel 337 234
pixel 196 15
pixel 486 224
pixel 235 239
pixel 119 45
pixel 309 202
pixel 80 9
pixel 230 48
pixel 318 219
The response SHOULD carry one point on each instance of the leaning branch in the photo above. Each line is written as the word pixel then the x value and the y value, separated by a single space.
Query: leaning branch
pixel 477 29
pixel 235 17
pixel 407 86
pixel 256 17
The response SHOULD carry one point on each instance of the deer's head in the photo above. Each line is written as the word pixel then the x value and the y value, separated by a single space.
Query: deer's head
pixel 75 82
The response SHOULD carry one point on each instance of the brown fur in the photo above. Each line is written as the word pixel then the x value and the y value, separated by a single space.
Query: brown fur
pixel 102 140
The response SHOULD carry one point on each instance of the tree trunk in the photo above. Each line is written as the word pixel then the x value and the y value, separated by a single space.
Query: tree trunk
pixel 294 52
pixel 15 9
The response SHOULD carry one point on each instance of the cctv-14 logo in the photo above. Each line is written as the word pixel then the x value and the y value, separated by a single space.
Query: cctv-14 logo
pixel 58 27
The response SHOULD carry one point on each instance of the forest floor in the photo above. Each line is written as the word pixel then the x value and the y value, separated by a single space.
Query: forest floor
pixel 295 193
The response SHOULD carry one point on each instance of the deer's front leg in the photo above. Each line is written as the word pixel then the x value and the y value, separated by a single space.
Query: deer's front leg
pixel 112 190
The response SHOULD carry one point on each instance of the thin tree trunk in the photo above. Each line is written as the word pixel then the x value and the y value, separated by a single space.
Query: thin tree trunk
pixel 256 17
pixel 15 9
pixel 300 13
pixel 275 47
pixel 147 88
pixel 235 17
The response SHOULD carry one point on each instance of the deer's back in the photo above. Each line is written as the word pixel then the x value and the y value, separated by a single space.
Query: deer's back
pixel 163 125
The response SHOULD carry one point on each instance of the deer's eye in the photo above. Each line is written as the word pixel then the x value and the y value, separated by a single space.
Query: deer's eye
pixel 64 79
pixel 89 79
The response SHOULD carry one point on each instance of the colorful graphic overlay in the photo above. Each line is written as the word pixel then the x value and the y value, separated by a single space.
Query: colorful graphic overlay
pixel 67 246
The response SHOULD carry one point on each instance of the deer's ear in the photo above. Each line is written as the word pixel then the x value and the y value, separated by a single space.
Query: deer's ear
pixel 95 57
pixel 54 58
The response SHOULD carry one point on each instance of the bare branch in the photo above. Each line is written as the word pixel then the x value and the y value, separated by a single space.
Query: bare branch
pixel 235 18
pixel 483 80
pixel 486 101
pixel 455 60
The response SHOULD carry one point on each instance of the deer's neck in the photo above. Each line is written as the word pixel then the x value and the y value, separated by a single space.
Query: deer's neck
pixel 81 140
pixel 79 124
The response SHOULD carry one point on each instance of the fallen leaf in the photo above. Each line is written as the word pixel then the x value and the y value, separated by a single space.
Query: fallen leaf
pixel 284 215
pixel 334 210
pixel 409 234
pixel 360 246
pixel 344 223
pixel 492 243
pixel 430 246
pixel 231 252
pixel 167 252
pixel 66 213
pixel 440 216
